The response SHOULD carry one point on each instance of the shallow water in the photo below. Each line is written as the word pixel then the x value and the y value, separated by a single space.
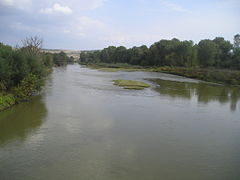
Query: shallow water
pixel 84 127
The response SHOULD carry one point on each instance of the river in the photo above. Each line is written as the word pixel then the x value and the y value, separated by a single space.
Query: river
pixel 84 127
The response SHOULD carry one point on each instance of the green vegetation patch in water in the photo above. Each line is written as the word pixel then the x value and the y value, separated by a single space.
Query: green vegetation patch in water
pixel 130 84
pixel 114 67
pixel 221 76
pixel 119 69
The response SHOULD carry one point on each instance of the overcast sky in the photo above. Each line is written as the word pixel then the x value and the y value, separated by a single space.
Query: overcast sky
pixel 95 24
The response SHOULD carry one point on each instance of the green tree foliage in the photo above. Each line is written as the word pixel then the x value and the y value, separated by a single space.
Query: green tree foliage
pixel 207 52
pixel 162 53
pixel 223 56
pixel 236 59
pixel 6 101
pixel 16 64
pixel 217 53
pixel 22 70
pixel 237 41
pixel 60 59
pixel 27 87
pixel 48 60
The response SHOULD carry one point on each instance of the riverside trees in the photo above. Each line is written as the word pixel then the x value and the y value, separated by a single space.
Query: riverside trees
pixel 217 53
pixel 22 70
pixel 21 73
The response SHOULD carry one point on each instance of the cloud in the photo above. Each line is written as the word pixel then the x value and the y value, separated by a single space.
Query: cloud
pixel 66 31
pixel 97 3
pixel 116 38
pixel 57 8
pixel 87 23
pixel 21 4
pixel 84 27
pixel 93 29
pixel 87 28
pixel 174 6
pixel 90 4
pixel 23 27
pixel 7 2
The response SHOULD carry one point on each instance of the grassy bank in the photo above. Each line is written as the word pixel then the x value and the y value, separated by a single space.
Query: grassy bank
pixel 228 77
pixel 114 67
pixel 28 87
pixel 221 76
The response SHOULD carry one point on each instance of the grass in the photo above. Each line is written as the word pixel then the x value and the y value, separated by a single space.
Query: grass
pixel 221 76
pixel 114 67
pixel 130 84
pixel 6 101
pixel 119 69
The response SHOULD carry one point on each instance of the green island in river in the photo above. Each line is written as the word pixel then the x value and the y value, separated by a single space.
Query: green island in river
pixel 130 84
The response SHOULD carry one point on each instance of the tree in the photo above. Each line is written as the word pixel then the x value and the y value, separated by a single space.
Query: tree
pixel 32 45
pixel 48 60
pixel 60 59
pixel 216 53
pixel 236 59
pixel 17 64
pixel 144 54
pixel 184 54
pixel 121 54
pixel 5 67
pixel 223 56
pixel 237 41
pixel 83 57
pixel 104 55
pixel 207 51
pixel 135 56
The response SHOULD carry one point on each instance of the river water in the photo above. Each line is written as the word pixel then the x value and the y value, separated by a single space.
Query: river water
pixel 84 127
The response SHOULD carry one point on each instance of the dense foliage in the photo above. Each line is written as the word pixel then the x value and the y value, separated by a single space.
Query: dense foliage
pixel 22 71
pixel 6 101
pixel 217 53
pixel 18 64
pixel 61 59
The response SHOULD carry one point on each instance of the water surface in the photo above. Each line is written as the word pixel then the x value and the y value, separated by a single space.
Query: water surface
pixel 84 127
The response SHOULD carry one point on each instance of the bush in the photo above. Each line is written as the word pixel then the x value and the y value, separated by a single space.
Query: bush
pixel 6 101
pixel 27 87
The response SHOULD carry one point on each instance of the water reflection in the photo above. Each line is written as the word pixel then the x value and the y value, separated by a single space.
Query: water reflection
pixel 204 92
pixel 19 121
pixel 112 133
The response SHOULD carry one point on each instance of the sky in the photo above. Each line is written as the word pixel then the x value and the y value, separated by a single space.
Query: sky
pixel 95 24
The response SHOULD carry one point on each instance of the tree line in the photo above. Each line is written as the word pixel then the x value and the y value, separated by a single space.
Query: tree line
pixel 218 53
pixel 23 69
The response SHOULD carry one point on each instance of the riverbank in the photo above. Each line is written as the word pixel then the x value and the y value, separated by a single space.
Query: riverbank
pixel 23 71
pixel 221 76
pixel 6 101
pixel 23 91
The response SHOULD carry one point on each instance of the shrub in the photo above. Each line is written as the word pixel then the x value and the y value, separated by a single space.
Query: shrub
pixel 6 101
pixel 27 87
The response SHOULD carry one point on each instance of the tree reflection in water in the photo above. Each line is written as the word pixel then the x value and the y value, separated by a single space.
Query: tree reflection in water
pixel 204 92
pixel 21 120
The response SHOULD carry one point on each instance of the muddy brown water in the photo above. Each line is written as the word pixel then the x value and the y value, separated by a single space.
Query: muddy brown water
pixel 84 127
